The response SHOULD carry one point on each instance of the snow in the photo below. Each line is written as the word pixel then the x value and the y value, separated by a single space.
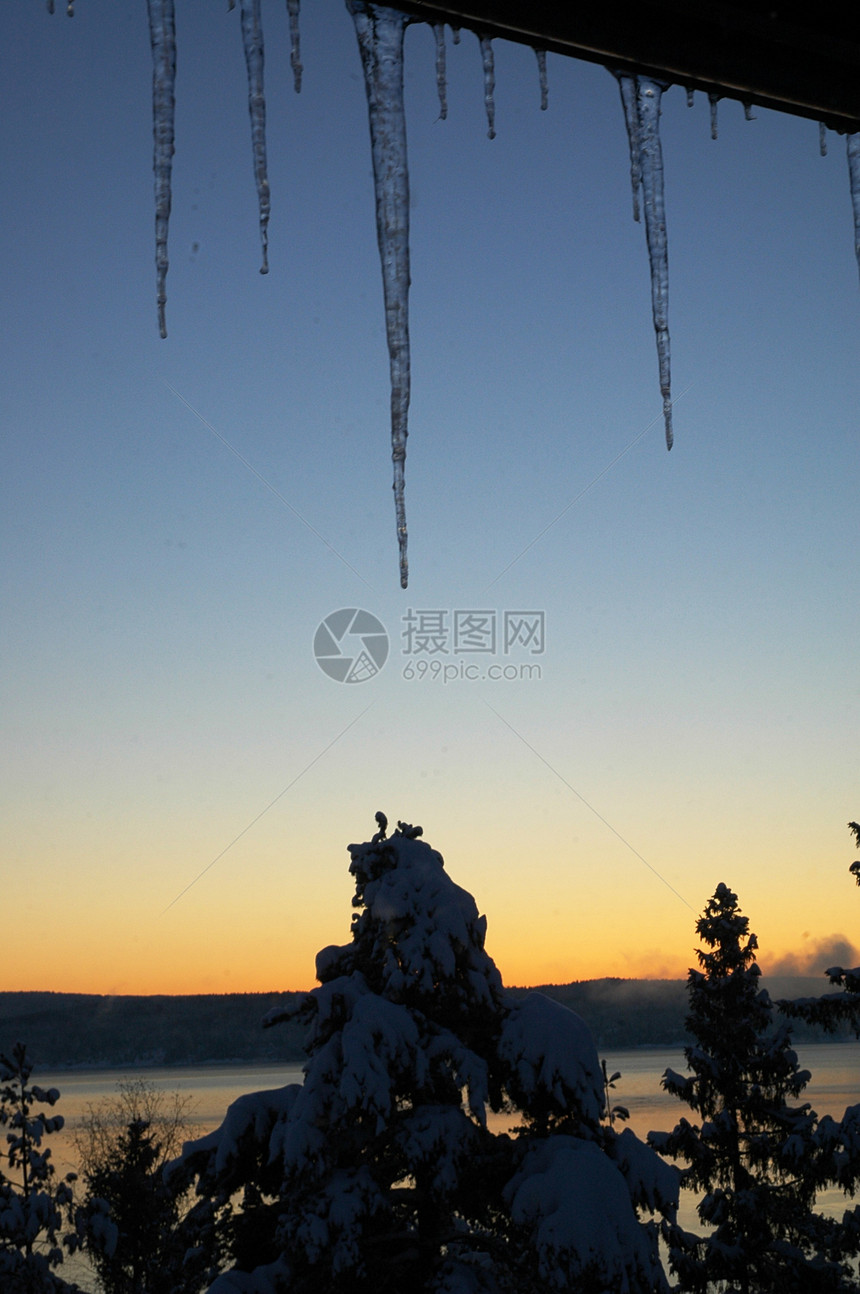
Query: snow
pixel 250 1119
pixel 577 1206
pixel 300 1139
pixel 438 1139
pixel 379 1045
pixel 439 943
pixel 468 1069
pixel 101 1226
pixel 653 1184
pixel 49 1095
pixel 335 999
pixel 467 1274
pixel 552 1053
pixel 405 1057
pixel 252 42
pixel 380 41
pixel 333 961
pixel 262 1280
pixel 162 35
pixel 334 1221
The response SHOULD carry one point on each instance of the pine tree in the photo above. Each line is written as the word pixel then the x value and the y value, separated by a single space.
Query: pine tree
pixel 33 1204
pixel 756 1157
pixel 387 1170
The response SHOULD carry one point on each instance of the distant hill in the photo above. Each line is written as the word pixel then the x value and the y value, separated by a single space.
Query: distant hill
pixel 626 1013
pixel 67 1030
pixel 70 1030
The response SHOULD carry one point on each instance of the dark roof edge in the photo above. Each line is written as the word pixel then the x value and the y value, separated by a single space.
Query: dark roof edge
pixel 767 54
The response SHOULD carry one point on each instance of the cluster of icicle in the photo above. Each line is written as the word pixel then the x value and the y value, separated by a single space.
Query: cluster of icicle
pixel 380 32
pixel 162 34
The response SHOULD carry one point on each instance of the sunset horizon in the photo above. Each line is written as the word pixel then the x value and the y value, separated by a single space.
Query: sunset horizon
pixel 618 677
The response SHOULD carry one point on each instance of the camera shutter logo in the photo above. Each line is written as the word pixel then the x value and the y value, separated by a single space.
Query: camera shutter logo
pixel 351 645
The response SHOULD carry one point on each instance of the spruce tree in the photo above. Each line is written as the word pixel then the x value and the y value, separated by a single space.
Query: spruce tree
pixel 756 1158
pixel 446 1137
pixel 137 1232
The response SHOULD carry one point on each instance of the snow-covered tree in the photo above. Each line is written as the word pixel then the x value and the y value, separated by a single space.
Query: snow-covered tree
pixel 447 1137
pixel 33 1204
pixel 756 1158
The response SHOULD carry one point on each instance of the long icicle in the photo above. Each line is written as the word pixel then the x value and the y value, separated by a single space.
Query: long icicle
pixel 380 40
pixel 252 41
pixel 640 98
pixel 648 98
pixel 295 44
pixel 853 143
pixel 162 36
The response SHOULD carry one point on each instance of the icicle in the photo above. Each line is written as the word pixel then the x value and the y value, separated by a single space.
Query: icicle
pixel 162 35
pixel 50 6
pixel 627 86
pixel 544 91
pixel 713 100
pixel 380 40
pixel 295 47
pixel 489 84
pixel 441 76
pixel 648 97
pixel 640 97
pixel 853 142
pixel 455 35
pixel 691 96
pixel 252 40
pixel 749 115
pixel 70 9
pixel 822 139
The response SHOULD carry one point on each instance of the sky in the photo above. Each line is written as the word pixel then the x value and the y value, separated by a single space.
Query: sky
pixel 678 703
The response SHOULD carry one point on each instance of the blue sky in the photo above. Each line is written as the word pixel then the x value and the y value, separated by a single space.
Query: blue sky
pixel 699 684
